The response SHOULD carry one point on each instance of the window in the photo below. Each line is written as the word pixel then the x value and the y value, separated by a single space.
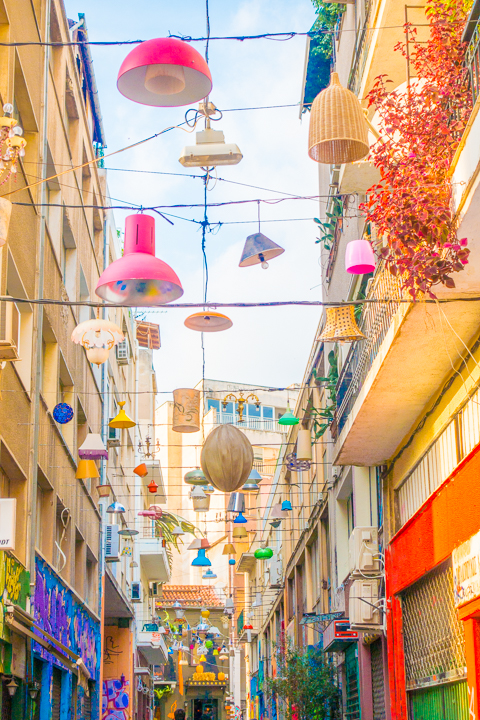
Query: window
pixel 267 412
pixel 68 258
pixel 24 316
pixel 350 515
pixel 213 404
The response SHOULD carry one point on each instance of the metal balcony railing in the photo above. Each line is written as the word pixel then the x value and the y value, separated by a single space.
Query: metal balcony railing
pixel 374 323
pixel 251 423
pixel 472 62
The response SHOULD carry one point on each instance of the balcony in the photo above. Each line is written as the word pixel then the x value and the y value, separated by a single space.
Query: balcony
pixel 389 378
pixel 251 423
pixel 153 556
pixel 153 647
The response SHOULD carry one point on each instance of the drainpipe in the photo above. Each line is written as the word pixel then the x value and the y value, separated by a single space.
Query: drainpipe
pixel 39 318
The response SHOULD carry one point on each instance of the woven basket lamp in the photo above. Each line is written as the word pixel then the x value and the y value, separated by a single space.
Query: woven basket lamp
pixel 338 131
pixel 340 325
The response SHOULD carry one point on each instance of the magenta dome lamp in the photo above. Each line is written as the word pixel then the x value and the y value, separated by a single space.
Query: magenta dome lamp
pixel 164 72
pixel 139 278
pixel 359 257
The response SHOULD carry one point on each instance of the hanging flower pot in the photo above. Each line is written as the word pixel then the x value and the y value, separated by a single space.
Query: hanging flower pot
pixel 227 458
pixel 359 257
pixel 141 470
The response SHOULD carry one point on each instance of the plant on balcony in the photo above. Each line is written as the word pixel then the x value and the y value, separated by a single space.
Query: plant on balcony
pixel 164 527
pixel 321 48
pixel 323 418
pixel 305 684
pixel 334 218
pixel 420 129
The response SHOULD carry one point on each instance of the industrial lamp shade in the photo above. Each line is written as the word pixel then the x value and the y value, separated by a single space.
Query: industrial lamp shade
pixel 86 469
pixel 338 130
pixel 258 249
pixel 138 277
pixel 229 549
pixel 195 477
pixel 340 325
pixel 359 257
pixel 304 445
pixel 288 418
pixel 236 502
pixel 141 470
pixel 227 458
pixel 250 487
pixel 239 532
pixel 121 421
pixel 92 448
pixel 255 476
pixel 186 410
pixel 201 560
pixel 208 322
pixel 164 72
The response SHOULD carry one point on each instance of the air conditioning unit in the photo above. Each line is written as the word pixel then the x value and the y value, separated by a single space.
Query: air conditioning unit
pixel 362 605
pixel 136 592
pixel 9 331
pixel 154 589
pixel 363 551
pixel 113 437
pixel 275 571
pixel 123 352
pixel 112 544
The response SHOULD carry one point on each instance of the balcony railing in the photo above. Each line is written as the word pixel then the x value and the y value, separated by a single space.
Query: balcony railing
pixel 472 62
pixel 374 323
pixel 251 423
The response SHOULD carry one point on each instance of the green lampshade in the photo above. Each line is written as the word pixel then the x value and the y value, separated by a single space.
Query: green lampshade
pixel 288 418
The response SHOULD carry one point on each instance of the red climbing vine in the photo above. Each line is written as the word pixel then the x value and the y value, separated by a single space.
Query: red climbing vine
pixel 420 128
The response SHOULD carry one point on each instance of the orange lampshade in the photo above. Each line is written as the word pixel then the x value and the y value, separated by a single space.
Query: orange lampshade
pixel 141 470
pixel 86 469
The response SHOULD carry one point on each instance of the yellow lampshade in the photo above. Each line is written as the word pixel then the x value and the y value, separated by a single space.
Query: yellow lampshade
pixel 86 469
pixel 340 325
pixel 239 532
pixel 203 658
pixel 229 549
pixel 205 613
pixel 121 421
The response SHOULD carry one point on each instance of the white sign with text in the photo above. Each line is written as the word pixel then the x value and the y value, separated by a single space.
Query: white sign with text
pixel 8 508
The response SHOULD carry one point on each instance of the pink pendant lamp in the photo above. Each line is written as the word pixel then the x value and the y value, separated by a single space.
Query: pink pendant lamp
pixel 164 72
pixel 139 278
pixel 359 257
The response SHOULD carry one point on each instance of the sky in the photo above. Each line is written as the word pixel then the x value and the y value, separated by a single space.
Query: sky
pixel 267 346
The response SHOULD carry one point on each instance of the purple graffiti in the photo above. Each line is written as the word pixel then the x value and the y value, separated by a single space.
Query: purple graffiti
pixel 115 700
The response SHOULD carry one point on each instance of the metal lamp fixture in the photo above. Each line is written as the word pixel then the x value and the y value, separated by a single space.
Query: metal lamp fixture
pixel 210 148
pixel 115 508
pixel 34 688
pixel 236 503
pixel 240 519
pixel 209 575
pixel 195 477
pixel 250 487
pixel 164 72
pixel 138 277
pixel 259 249
pixel 12 687
pixel 201 560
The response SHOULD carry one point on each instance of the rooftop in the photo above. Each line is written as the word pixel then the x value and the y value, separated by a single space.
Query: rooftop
pixel 190 596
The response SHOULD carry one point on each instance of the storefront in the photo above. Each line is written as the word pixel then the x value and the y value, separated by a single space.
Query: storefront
pixel 433 603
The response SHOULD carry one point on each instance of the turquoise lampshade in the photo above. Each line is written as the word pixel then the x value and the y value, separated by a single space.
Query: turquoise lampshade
pixel 288 418
pixel 209 575
pixel 240 519
pixel 201 560
pixel 286 505
pixel 254 476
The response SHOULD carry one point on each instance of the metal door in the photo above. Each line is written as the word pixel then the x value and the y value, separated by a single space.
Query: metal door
pixel 440 702
pixel 378 683
pixel 352 688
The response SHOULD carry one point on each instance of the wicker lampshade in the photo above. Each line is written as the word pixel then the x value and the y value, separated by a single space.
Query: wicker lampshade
pixel 341 325
pixel 338 130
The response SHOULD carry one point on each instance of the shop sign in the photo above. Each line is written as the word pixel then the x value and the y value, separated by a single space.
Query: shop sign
pixel 8 507
pixel 466 571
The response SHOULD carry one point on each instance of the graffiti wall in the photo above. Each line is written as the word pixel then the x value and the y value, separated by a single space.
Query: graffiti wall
pixel 59 614
pixel 14 588
pixel 117 673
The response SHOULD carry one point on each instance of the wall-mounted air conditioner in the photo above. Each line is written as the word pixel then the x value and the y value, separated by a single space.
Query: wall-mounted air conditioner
pixel 275 571
pixel 363 551
pixel 364 606
pixel 123 352
pixel 136 592
pixel 9 331
pixel 112 544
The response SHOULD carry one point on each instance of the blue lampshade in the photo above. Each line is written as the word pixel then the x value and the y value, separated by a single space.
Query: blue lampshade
pixel 201 560
pixel 115 507
pixel 254 476
pixel 209 575
pixel 286 505
pixel 231 561
pixel 62 413
pixel 239 519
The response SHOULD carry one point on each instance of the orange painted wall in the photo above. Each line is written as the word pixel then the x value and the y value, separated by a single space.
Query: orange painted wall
pixel 446 520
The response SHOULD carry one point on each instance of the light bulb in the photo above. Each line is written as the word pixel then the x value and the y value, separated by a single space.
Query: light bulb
pixel 17 130
pixel 8 108
pixel 22 152
pixel 265 265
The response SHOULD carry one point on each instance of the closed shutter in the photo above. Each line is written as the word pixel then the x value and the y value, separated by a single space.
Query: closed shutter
pixel 6 704
pixel 352 690
pixel 56 693
pixel 440 702
pixel 87 704
pixel 378 686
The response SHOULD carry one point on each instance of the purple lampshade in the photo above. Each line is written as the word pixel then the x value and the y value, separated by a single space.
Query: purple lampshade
pixel 359 257
pixel 93 448
pixel 139 278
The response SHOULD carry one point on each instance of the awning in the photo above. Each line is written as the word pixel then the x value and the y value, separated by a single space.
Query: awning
pixel 116 603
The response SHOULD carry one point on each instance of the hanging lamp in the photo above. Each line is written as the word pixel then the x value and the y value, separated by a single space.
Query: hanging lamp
pixel 154 511
pixel 152 487
pixel 128 532
pixel 240 519
pixel 359 257
pixel 201 560
pixel 340 325
pixel 239 532
pixel 304 445
pixel 87 469
pixel 210 150
pixel 229 549
pixel 104 490
pixel 276 524
pixel 209 575
pixel 164 72
pixel 277 513
pixel 231 561
pixel 141 470
pixel 288 418
pixel 286 505
pixel 199 543
pixel 254 476
pixel 121 421
pixel 186 410
pixel 115 508
pixel 92 448
pixel 236 502
pixel 138 277
pixel 208 322
pixel 250 487
pixel 195 477
pixel 259 249
pixel 98 337
pixel 178 531
pixel 338 131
